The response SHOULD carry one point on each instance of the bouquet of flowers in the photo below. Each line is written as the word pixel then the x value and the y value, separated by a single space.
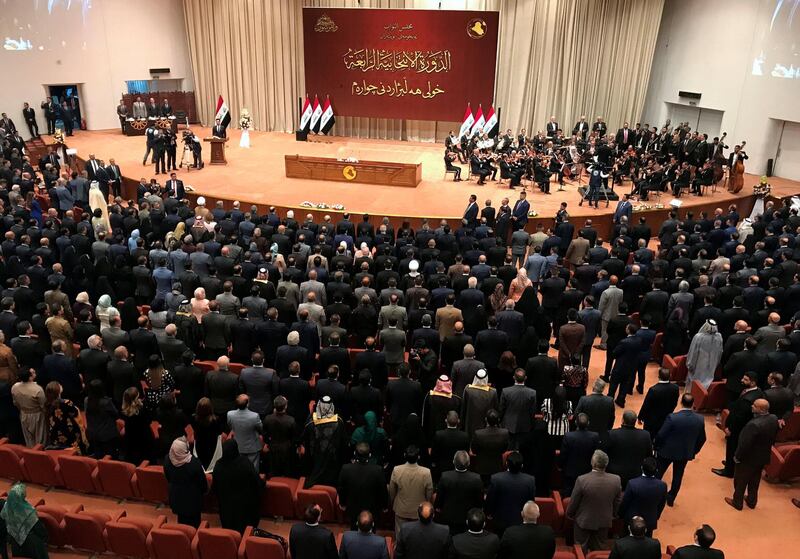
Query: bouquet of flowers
pixel 763 188
pixel 245 120
pixel 58 136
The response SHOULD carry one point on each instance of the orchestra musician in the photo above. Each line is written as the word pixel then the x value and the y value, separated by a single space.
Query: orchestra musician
pixel 682 180
pixel 453 145
pixel 599 127
pixel 477 167
pixel 703 177
pixel 521 139
pixel 449 157
pixel 736 168
pixel 552 127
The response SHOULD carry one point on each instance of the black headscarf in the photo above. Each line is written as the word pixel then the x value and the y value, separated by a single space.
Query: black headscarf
pixel 238 489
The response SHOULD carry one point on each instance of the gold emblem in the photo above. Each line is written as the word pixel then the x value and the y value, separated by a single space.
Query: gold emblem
pixel 139 124
pixel 325 25
pixel 476 28
pixel 349 172
pixel 163 123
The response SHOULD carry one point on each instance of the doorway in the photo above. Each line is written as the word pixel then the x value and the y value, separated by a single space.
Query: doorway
pixel 705 121
pixel 787 159
pixel 69 94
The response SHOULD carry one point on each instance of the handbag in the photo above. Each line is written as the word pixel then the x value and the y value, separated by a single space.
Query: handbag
pixel 259 533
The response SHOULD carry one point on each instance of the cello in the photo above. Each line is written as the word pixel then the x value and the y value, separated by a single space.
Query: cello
pixel 736 172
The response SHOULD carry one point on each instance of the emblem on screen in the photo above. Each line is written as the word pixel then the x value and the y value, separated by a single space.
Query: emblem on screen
pixel 349 172
pixel 476 28
pixel 325 25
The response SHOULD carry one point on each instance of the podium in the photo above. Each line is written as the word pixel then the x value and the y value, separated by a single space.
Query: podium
pixel 217 150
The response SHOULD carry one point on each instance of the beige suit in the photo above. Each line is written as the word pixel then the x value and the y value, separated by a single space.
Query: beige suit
pixel 577 251
pixel 594 504
pixel 30 400
pixel 446 319
pixel 59 297
pixel 60 330
pixel 409 485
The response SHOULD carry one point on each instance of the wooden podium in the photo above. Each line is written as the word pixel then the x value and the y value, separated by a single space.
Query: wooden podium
pixel 217 150
pixel 370 172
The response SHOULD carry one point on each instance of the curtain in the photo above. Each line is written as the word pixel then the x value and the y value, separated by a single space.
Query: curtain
pixel 555 57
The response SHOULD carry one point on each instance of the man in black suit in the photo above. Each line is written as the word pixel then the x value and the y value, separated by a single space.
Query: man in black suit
pixel 457 492
pixel 576 453
pixel 403 396
pixel 476 543
pixel 446 442
pixel 361 486
pixel 599 408
pixel 753 453
pixel 218 131
pixel 638 545
pixel 175 188
pixel 645 496
pixel 552 127
pixel 624 137
pixel 507 494
pixel 423 537
pixel 114 177
pixel 627 447
pixel 626 361
pixel 30 119
pixel 310 540
pixel 701 548
pixel 516 403
pixel 678 441
pixel 528 539
pixel 470 218
pixel 659 402
pixel 476 167
pixel 27 349
pixel 143 344
pixel 741 412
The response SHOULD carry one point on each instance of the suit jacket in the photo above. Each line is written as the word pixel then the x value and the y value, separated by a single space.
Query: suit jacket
pixel 626 448
pixel 631 547
pixel 601 412
pixel 143 344
pixel 645 497
pixel 175 188
pixel 475 546
pixel 577 251
pixel 697 552
pixel 659 402
pixel 362 487
pixel 682 436
pixel 520 211
pixel 471 214
pixel 446 442
pixel 506 496
pixel 359 545
pixel 488 445
pixel 416 540
pixel 403 397
pixel 216 330
pixel 246 425
pixel 222 387
pixel 526 541
pixel 456 493
pixel 218 131
pixel 172 350
pixel 756 440
pixel 312 542
pixel 517 408
pixel 595 500
pixel 576 452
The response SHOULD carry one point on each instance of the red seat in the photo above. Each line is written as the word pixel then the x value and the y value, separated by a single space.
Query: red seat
pixel 128 535
pixel 41 467
pixel 551 511
pixel 117 479
pixel 259 548
pixel 784 464
pixel 711 400
pixel 677 368
pixel 791 430
pixel 205 366
pixel 568 552
pixel 235 368
pixel 151 483
pixel 598 555
pixel 78 473
pixel 172 541
pixel 53 519
pixel 657 351
pixel 321 495
pixel 216 543
pixel 279 498
pixel 10 463
pixel 86 529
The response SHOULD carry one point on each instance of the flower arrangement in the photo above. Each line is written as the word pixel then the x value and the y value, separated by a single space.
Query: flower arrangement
pixel 763 188
pixel 321 205
pixel 533 213
pixel 58 136
pixel 245 120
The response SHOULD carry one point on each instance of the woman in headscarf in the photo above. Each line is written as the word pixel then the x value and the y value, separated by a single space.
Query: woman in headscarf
pixel 81 303
pixel 478 398
pixel 187 483
pixel 101 416
pixel 199 304
pixel 129 315
pixel 132 240
pixel 518 285
pixel 20 523
pixel 497 300
pixel 409 433
pixel 372 434
pixel 157 315
pixel 676 337
pixel 325 442
pixel 238 488
pixel 104 312
pixel 528 305
pixel 438 402
pixel 704 355
pixel 99 206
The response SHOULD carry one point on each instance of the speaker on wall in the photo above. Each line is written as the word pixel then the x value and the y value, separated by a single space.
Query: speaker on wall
pixel 770 166
pixel 157 71
pixel 689 95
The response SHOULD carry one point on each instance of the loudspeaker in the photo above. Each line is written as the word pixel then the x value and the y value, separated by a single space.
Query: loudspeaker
pixel 156 71
pixel 301 135
pixel 689 94
pixel 770 167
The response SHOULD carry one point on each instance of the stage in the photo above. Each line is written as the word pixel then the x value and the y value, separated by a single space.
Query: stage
pixel 257 176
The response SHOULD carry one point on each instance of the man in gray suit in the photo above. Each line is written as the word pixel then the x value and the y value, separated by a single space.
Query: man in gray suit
pixel 313 286
pixel 463 371
pixel 228 302
pixel 392 310
pixel 139 108
pixel 517 406
pixel 594 503
pixel 245 427
pixel 609 307
pixel 393 340
pixel 65 199
pixel 682 299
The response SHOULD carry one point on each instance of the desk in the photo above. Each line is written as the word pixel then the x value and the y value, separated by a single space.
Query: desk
pixel 139 126
pixel 370 172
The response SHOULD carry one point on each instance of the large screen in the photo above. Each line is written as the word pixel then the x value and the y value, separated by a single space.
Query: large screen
pixel 414 64
pixel 778 46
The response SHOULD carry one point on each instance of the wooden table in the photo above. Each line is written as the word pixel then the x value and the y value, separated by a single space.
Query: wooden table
pixel 139 126
pixel 217 150
pixel 370 172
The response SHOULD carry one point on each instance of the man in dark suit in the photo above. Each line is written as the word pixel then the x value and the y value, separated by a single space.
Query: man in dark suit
pixel 222 387
pixel 403 396
pixel 624 209
pixel 457 492
pixel 171 347
pixel 216 332
pixel 507 494
pixel 577 449
pixel 60 368
pixel 528 539
pixel 218 131
pixel 753 452
pixel 446 442
pixel 741 412
pixel 594 503
pixel 361 486
pixel 476 543
pixel 659 402
pixel 470 218
pixel 519 215
pixel 175 188
pixel 309 540
pixel 701 548
pixel 599 408
pixel 679 440
pixel 624 137
pixel 488 446
pixel 516 405
pixel 626 361
pixel 423 537
pixel 645 496
pixel 627 447
pixel 552 127
pixel 143 344
pixel 638 545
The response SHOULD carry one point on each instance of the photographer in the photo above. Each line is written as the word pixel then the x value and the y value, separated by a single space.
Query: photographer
pixel 424 364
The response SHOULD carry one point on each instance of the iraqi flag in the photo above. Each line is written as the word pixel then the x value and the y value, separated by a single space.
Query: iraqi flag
pixel 305 115
pixel 466 125
pixel 327 120
pixel 223 114
pixel 315 115
pixel 492 126
pixel 479 122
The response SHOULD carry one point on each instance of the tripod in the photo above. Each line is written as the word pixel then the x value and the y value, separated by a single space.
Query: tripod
pixel 187 157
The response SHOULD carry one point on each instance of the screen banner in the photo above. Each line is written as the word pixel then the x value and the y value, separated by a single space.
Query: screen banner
pixel 411 64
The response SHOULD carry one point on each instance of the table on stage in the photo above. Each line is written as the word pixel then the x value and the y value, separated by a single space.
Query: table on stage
pixel 138 127
pixel 370 172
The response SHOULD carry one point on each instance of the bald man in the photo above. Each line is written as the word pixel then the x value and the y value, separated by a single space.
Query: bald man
pixel 753 452
pixel 767 336
pixel 245 427
pixel 529 539
pixel 222 387
pixel 422 537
